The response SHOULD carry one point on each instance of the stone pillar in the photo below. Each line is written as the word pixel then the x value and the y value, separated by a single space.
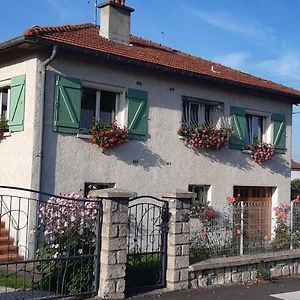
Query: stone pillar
pixel 178 239
pixel 113 241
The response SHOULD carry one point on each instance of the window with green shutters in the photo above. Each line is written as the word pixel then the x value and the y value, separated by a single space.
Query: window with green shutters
pixel 249 128
pixel 137 114
pixel 279 133
pixel 17 103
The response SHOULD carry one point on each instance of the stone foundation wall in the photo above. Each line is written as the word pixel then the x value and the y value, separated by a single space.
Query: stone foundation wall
pixel 233 270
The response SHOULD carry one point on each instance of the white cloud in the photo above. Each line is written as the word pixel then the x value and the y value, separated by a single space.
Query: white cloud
pixel 251 29
pixel 234 60
pixel 285 67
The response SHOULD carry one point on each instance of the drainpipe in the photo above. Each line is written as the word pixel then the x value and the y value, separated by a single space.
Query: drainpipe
pixel 33 205
pixel 40 141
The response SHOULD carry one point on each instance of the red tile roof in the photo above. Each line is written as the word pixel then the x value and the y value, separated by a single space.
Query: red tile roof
pixel 86 36
pixel 295 165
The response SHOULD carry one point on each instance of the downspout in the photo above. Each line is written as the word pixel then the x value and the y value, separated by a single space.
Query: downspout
pixel 42 115
pixel 34 205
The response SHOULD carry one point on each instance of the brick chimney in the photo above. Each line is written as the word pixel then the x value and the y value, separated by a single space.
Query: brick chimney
pixel 115 20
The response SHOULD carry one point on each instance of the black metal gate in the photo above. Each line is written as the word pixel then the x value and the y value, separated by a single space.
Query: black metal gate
pixel 147 243
pixel 49 245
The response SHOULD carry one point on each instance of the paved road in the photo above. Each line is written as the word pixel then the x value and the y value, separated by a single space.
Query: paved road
pixel 284 289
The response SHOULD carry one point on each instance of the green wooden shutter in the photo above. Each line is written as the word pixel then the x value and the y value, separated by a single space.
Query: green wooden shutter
pixel 137 114
pixel 67 105
pixel 238 122
pixel 279 133
pixel 17 103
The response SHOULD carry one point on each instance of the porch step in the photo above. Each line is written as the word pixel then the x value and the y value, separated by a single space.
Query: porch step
pixel 6 241
pixel 8 251
pixel 9 257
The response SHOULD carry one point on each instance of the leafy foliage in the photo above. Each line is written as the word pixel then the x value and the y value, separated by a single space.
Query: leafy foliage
pixel 262 152
pixel 205 136
pixel 295 188
pixel 107 135
pixel 69 231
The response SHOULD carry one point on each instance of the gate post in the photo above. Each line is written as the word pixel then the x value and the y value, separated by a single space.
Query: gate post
pixel 113 251
pixel 178 252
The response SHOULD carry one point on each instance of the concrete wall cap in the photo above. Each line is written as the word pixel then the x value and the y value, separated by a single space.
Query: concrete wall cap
pixel 112 193
pixel 179 194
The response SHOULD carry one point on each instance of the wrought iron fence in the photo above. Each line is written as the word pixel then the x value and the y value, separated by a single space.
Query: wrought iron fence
pixel 48 249
pixel 245 227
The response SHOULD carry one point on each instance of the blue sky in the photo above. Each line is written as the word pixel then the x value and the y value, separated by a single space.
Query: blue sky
pixel 259 36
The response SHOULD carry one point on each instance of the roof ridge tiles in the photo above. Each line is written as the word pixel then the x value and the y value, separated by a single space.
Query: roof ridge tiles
pixel 37 30
pixel 85 36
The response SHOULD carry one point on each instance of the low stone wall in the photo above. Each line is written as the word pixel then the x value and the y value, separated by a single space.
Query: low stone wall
pixel 241 269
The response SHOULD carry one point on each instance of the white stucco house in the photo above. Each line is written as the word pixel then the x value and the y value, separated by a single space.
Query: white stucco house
pixel 295 170
pixel 55 80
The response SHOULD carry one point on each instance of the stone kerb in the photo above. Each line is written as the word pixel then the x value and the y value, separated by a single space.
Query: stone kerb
pixel 178 239
pixel 113 241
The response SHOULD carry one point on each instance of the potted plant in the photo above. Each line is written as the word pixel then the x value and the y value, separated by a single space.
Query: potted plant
pixel 3 128
pixel 205 136
pixel 107 135
pixel 261 152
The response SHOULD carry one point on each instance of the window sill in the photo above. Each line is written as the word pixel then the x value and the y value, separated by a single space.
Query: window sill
pixel 7 134
pixel 83 136
pixel 247 151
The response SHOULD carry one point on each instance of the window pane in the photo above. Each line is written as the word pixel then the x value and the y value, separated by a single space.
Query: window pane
pixel 254 129
pixel 107 106
pixel 208 114
pixel 185 115
pixel 201 191
pixel 4 96
pixel 88 107
pixel 194 114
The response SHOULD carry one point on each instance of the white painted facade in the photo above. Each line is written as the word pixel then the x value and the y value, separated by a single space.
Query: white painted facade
pixel 295 174
pixel 164 163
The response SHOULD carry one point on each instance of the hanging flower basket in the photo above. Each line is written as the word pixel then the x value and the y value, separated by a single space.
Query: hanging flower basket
pixel 262 152
pixel 205 136
pixel 3 128
pixel 107 135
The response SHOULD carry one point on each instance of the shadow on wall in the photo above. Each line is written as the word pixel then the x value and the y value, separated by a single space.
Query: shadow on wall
pixel 138 153
pixel 228 158
pixel 243 161
pixel 278 165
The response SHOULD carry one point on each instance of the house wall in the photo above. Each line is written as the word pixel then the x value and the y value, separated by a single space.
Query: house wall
pixel 18 155
pixel 165 164
pixel 295 174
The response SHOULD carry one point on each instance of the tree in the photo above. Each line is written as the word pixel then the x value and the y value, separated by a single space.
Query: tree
pixel 295 188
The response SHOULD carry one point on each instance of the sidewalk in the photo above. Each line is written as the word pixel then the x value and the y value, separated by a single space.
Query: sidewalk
pixel 259 291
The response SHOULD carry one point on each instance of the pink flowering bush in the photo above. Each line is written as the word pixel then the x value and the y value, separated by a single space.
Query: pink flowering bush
pixel 282 238
pixel 69 227
pixel 262 152
pixel 205 136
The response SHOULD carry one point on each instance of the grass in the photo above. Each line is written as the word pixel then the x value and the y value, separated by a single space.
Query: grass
pixel 14 280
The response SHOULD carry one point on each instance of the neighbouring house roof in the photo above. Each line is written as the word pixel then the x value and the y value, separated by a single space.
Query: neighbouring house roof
pixel 295 165
pixel 86 38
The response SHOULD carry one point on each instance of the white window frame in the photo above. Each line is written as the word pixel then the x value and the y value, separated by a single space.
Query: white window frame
pixel 5 84
pixel 118 114
pixel 267 124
